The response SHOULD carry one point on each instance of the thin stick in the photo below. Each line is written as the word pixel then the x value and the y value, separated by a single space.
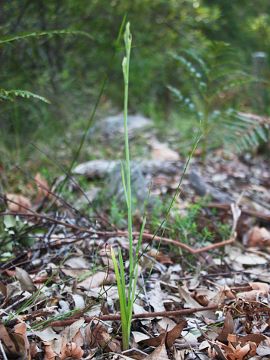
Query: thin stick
pixel 145 236
pixel 116 317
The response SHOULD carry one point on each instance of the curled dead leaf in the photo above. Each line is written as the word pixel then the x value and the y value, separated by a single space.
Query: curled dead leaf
pixel 236 350
pixel 170 336
pixel 227 329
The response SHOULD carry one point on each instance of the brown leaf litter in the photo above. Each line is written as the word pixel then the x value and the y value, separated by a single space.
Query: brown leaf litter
pixel 210 301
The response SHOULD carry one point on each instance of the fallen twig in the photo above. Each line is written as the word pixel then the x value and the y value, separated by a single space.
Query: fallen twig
pixel 146 236
pixel 116 317
pixel 224 206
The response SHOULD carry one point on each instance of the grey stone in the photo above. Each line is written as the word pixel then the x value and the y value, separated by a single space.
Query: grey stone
pixel 102 168
pixel 95 168
pixel 113 126
pixel 139 186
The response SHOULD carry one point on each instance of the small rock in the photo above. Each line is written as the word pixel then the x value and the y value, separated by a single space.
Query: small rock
pixel 139 186
pixel 113 126
pixel 102 168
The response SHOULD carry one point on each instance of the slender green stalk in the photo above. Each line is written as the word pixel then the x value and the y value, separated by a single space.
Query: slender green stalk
pixel 125 67
pixel 127 292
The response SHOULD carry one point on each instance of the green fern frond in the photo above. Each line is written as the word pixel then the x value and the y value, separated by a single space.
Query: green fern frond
pixel 36 34
pixel 193 56
pixel 246 131
pixel 187 102
pixel 193 70
pixel 213 83
pixel 10 95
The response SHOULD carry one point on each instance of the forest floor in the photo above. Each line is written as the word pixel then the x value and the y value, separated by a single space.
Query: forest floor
pixel 204 274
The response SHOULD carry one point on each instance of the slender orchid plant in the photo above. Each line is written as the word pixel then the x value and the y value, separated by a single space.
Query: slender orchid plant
pixel 127 289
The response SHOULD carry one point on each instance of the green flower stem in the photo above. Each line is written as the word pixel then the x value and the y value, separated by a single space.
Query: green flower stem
pixel 127 296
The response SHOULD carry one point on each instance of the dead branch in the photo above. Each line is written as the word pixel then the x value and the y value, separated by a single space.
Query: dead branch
pixel 117 317
pixel 146 236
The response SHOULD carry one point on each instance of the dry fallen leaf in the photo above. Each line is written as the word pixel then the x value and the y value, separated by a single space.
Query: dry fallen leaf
pixel 139 336
pixel 132 354
pixel 18 203
pixel 47 334
pixel 257 236
pixel 171 336
pixel 3 289
pixel 76 266
pixel 227 329
pixel 71 350
pixel 9 345
pixel 256 338
pixel 49 352
pixel 43 188
pixel 261 287
pixel 156 297
pixel 250 259
pixel 161 151
pixel 160 257
pixel 223 293
pixel 175 333
pixel 258 290
pixel 25 280
pixel 190 302
pixel 96 280
pixel 71 331
pixel 160 353
pixel 34 350
pixel 64 345
pixel 14 343
pixel 97 335
pixel 20 329
pixel 166 324
pixel 236 350
pixel 263 348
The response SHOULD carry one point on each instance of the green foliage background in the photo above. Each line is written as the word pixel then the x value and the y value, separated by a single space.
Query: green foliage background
pixel 69 70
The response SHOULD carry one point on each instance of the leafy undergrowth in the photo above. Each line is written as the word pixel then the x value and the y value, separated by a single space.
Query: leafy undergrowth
pixel 201 293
